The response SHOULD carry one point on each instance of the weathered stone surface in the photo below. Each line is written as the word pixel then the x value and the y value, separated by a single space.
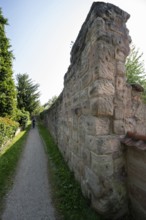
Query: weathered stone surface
pixel 120 83
pixel 86 80
pixel 139 112
pixel 85 107
pixel 119 55
pixel 103 145
pixel 119 113
pixel 140 128
pixel 102 164
pixel 96 126
pixel 85 154
pixel 101 87
pixel 102 106
pixel 130 124
pixel 121 69
pixel 96 108
pixel 92 181
pixel 119 127
pixel 104 71
pixel 136 161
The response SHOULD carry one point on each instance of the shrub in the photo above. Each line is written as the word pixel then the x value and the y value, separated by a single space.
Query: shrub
pixel 22 117
pixel 7 129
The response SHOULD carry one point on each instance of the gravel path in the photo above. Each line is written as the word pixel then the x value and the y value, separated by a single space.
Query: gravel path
pixel 29 198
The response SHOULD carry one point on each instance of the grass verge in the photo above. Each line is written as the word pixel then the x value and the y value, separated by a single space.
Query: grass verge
pixel 67 195
pixel 9 157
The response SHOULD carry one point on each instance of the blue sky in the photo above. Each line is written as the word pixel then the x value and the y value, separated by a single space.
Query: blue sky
pixel 41 31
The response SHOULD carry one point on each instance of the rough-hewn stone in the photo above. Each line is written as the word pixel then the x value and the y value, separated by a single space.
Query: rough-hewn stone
pixel 102 106
pixel 96 107
pixel 101 88
pixel 136 161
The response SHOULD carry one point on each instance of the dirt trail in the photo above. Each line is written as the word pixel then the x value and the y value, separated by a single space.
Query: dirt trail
pixel 30 198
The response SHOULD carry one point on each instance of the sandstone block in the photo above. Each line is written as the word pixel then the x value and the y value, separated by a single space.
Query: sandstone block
pixel 130 124
pixel 107 144
pixel 86 157
pixel 101 52
pixel 102 126
pixel 86 80
pixel 83 95
pixel 119 112
pixel 103 71
pixel 90 143
pixel 92 182
pixel 74 135
pixel 128 110
pixel 84 65
pixel 102 164
pixel 96 126
pixel 75 100
pixel 119 55
pixel 139 128
pixel 139 112
pixel 120 83
pixel 102 106
pixel 121 69
pixel 119 166
pixel 119 127
pixel 85 107
pixel 98 24
pixel 101 87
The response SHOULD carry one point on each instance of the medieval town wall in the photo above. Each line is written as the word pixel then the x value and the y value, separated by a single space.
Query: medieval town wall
pixel 96 108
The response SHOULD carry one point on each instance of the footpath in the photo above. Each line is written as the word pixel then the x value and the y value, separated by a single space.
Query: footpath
pixel 30 196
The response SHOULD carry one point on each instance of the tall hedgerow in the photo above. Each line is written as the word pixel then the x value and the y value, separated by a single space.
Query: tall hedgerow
pixel 7 86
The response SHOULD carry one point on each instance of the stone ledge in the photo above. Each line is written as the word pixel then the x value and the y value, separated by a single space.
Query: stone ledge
pixel 133 139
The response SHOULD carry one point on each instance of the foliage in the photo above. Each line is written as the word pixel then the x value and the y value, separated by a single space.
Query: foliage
pixel 22 117
pixel 38 110
pixel 8 160
pixel 27 93
pixel 50 102
pixel 42 115
pixel 7 86
pixel 66 191
pixel 135 67
pixel 7 129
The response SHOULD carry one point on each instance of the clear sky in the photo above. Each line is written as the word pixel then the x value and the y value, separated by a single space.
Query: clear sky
pixel 41 31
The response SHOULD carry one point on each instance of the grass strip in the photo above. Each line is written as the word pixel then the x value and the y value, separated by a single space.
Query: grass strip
pixel 67 195
pixel 9 157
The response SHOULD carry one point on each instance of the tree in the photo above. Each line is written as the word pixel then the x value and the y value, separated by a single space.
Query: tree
pixel 7 85
pixel 135 70
pixel 50 102
pixel 39 109
pixel 135 67
pixel 27 93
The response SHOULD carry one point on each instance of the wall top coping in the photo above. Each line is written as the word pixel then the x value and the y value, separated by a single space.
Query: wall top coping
pixel 137 87
pixel 133 139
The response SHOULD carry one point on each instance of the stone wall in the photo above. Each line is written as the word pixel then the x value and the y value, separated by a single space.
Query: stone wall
pixel 136 169
pixel 96 107
pixel 136 160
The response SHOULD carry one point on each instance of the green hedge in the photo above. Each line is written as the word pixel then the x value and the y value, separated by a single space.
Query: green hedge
pixel 22 117
pixel 7 130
